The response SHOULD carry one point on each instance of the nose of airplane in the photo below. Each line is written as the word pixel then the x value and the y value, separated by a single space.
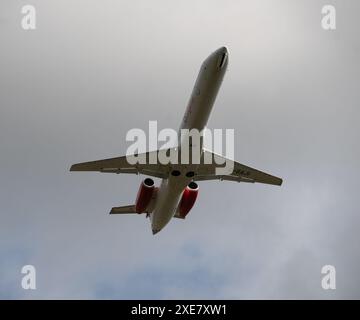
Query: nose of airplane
pixel 223 50
pixel 222 54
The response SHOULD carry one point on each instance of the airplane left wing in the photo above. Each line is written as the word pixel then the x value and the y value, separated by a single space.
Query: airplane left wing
pixel 240 172
pixel 121 165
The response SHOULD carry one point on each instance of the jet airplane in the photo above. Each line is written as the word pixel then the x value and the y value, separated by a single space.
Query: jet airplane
pixel 178 190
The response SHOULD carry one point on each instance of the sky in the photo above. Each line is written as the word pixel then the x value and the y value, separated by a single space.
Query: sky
pixel 92 70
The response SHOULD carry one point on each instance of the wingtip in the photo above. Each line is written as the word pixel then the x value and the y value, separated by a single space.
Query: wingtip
pixel 75 167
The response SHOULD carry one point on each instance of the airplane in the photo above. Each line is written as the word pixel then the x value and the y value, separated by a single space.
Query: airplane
pixel 178 191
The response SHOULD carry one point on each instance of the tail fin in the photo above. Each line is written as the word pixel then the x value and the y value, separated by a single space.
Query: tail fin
pixel 123 210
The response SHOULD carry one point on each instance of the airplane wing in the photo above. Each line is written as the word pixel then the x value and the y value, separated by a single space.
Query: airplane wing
pixel 240 173
pixel 121 165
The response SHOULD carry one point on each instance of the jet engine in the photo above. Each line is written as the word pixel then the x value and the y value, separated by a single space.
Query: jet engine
pixel 144 195
pixel 188 199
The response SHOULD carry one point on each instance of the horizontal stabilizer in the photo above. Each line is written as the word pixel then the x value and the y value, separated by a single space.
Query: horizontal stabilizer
pixel 123 210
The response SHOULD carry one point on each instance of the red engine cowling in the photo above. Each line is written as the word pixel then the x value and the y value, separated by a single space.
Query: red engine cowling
pixel 188 199
pixel 144 195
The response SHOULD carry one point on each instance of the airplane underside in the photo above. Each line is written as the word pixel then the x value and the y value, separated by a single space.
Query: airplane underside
pixel 178 190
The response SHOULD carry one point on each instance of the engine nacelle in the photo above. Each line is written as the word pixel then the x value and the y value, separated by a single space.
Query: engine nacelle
pixel 144 195
pixel 188 199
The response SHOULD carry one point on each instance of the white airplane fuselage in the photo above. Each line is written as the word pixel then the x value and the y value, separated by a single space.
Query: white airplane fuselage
pixel 196 116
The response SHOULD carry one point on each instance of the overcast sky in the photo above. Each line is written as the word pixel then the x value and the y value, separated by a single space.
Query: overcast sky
pixel 92 70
